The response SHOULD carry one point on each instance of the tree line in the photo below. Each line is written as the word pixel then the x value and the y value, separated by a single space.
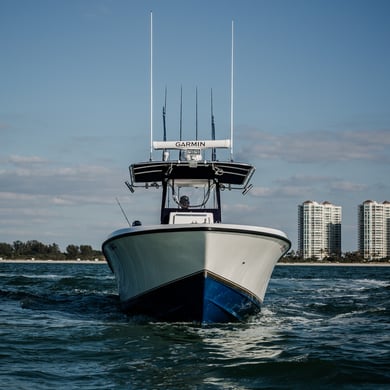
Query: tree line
pixel 38 250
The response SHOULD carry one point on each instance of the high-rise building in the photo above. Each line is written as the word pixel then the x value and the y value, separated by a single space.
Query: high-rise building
pixel 374 229
pixel 319 229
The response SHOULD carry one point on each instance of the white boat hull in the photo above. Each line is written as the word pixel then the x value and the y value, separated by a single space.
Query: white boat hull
pixel 202 273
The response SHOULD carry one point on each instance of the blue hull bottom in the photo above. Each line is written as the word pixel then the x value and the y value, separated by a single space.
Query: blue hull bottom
pixel 202 298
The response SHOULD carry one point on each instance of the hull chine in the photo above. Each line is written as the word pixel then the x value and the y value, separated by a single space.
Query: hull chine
pixel 200 298
pixel 225 302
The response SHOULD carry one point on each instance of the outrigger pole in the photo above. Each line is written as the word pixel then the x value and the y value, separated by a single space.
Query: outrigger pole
pixel 196 114
pixel 231 95
pixel 181 114
pixel 181 121
pixel 181 94
pixel 213 152
pixel 165 152
pixel 151 85
pixel 164 114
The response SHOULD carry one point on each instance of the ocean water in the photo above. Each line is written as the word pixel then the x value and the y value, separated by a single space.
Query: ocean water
pixel 320 327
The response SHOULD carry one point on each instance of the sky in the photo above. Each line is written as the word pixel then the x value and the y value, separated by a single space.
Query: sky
pixel 311 107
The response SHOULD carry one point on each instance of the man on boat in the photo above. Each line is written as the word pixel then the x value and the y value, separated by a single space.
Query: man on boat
pixel 184 202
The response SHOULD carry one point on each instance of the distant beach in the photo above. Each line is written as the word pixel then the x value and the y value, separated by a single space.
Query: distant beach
pixel 53 261
pixel 371 264
pixel 319 264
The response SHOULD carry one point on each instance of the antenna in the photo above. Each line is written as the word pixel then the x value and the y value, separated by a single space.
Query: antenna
pixel 151 85
pixel 165 152
pixel 196 114
pixel 181 113
pixel 164 114
pixel 123 211
pixel 181 119
pixel 231 95
pixel 213 152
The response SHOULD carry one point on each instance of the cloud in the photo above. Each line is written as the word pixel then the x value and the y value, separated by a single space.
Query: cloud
pixel 318 146
pixel 302 187
pixel 304 180
pixel 279 192
pixel 64 184
pixel 262 192
pixel 25 160
pixel 347 186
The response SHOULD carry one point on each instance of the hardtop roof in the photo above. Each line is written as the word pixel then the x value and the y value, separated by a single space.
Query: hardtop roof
pixel 229 173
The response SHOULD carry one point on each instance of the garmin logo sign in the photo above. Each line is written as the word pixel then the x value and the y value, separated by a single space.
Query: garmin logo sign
pixel 190 144
pixel 225 143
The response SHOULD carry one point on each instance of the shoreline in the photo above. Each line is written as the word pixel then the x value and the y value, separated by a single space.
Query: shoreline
pixel 371 264
pixel 300 264
pixel 37 261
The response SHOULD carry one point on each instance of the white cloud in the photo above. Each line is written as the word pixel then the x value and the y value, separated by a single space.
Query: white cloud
pixel 25 160
pixel 83 171
pixel 6 195
pixel 36 176
pixel 347 186
pixel 261 191
pixel 303 187
pixel 318 146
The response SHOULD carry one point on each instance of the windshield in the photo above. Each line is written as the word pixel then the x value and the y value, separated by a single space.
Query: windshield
pixel 192 194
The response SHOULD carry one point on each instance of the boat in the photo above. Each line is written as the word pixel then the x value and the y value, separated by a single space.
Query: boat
pixel 192 267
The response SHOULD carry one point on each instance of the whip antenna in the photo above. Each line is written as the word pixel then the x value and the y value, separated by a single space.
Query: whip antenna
pixel 151 85
pixel 231 95
pixel 181 113
pixel 123 211
pixel 164 114
pixel 181 120
pixel 196 114
pixel 165 152
pixel 213 151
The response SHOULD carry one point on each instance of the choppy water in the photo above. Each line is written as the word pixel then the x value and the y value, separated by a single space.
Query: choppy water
pixel 320 327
